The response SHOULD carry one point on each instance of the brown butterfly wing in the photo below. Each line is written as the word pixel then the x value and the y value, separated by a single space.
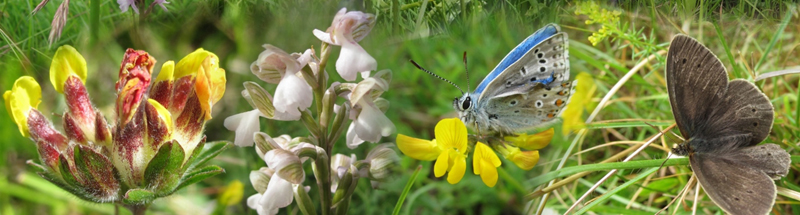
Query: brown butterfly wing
pixel 741 182
pixel 696 81
pixel 744 113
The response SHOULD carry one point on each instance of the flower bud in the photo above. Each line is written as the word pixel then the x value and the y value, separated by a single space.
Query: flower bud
pixel 80 112
pixel 525 160
pixel 134 79
pixel 339 164
pixel 381 159
pixel 161 90
pixel 532 142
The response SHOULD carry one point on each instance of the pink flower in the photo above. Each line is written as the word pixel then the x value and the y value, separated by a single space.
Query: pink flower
pixel 124 4
pixel 346 30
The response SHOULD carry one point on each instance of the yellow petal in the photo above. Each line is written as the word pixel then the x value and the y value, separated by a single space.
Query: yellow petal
pixel 442 164
pixel 476 159
pixel 525 160
pixel 163 113
pixel 167 71
pixel 210 83
pixel 67 62
pixel 489 174
pixel 190 64
pixel 25 95
pixel 579 102
pixel 452 133
pixel 459 168
pixel 532 142
pixel 419 149
pixel 484 154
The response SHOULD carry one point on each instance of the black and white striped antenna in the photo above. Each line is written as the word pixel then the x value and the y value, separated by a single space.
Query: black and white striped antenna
pixel 434 75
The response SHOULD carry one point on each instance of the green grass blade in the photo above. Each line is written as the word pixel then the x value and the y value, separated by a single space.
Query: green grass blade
pixel 786 18
pixel 403 195
pixel 607 195
pixel 567 171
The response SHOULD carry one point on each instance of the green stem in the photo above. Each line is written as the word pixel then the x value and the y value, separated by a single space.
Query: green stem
pixel 94 19
pixel 322 164
pixel 138 209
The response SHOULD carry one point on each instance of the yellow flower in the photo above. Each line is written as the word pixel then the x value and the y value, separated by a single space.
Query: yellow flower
pixel 580 101
pixel 67 62
pixel 485 163
pixel 532 142
pixel 525 160
pixel 23 96
pixel 210 79
pixel 232 194
pixel 608 19
pixel 449 149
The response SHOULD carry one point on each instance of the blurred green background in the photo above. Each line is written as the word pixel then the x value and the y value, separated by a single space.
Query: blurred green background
pixel 435 34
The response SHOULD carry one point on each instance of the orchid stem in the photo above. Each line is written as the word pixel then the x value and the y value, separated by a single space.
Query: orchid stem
pixel 322 172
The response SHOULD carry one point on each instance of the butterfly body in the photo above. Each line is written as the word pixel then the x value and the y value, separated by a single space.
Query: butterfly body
pixel 527 89
pixel 723 122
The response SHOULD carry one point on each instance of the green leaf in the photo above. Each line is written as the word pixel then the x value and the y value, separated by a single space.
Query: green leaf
pixel 212 150
pixel 195 152
pixel 164 170
pixel 138 196
pixel 199 175
pixel 95 170
pixel 66 174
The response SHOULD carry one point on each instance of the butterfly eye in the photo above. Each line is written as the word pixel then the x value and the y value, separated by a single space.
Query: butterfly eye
pixel 467 102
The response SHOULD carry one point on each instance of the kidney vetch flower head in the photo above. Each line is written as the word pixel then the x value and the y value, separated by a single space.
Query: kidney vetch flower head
pixel 148 151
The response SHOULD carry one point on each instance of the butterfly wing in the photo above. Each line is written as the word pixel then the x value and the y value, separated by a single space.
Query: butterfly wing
pixel 741 181
pixel 524 111
pixel 543 64
pixel 744 114
pixel 696 81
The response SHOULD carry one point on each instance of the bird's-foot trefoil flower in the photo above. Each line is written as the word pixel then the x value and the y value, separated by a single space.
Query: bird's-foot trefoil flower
pixel 452 144
pixel 449 149
pixel 147 151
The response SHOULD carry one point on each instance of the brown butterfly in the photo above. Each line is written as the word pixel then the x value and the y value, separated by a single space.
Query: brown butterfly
pixel 723 122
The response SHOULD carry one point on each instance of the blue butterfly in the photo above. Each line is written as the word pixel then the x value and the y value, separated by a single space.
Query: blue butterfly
pixel 528 89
